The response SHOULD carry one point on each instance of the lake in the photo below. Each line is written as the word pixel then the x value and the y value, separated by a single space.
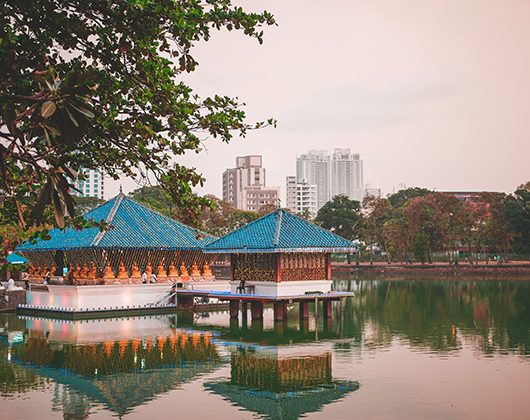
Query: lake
pixel 420 348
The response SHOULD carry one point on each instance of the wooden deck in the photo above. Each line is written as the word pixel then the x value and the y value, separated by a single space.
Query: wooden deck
pixel 186 300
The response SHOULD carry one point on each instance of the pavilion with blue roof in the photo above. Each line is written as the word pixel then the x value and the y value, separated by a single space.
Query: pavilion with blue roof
pixel 281 254
pixel 138 237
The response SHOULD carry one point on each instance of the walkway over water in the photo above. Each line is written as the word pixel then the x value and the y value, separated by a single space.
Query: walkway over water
pixel 186 300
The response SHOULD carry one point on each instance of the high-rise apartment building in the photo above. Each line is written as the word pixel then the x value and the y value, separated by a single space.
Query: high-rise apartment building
pixel 93 186
pixel 313 168
pixel 301 196
pixel 290 193
pixel 306 198
pixel 244 186
pixel 347 174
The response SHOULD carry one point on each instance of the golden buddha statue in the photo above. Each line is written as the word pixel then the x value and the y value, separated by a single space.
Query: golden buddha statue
pixel 136 276
pixel 148 271
pixel 85 272
pixel 77 272
pixel 161 272
pixel 94 271
pixel 183 271
pixel 172 271
pixel 53 270
pixel 135 272
pixel 206 270
pixel 122 274
pixel 109 274
pixel 195 270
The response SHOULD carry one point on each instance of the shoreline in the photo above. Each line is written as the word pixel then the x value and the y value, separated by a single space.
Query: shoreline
pixel 442 269
pixel 516 268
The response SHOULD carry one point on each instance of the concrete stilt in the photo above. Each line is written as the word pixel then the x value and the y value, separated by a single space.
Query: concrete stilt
pixel 304 310
pixel 234 325
pixel 185 302
pixel 280 311
pixel 234 308
pixel 256 308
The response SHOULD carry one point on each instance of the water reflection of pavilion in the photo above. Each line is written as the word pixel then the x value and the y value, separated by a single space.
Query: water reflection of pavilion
pixel 126 363
pixel 282 382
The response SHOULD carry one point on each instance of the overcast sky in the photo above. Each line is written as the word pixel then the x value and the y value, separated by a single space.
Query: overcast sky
pixel 431 93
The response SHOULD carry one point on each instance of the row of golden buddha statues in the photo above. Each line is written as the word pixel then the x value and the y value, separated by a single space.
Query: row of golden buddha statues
pixel 80 276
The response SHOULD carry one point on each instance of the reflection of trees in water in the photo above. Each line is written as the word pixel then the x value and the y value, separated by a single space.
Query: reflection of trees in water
pixel 13 378
pixel 440 315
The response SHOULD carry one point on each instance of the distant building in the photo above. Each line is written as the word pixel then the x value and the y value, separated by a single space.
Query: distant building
pixel 252 199
pixel 372 192
pixel 245 187
pixel 467 196
pixel 306 198
pixel 313 168
pixel 290 193
pixel 93 186
pixel 347 174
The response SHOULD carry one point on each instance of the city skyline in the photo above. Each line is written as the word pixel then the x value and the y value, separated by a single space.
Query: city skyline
pixel 431 94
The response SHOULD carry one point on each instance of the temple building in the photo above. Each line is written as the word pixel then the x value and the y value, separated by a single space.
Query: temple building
pixel 140 246
pixel 281 254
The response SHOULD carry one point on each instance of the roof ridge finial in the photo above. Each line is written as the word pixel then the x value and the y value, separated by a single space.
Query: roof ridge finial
pixel 121 189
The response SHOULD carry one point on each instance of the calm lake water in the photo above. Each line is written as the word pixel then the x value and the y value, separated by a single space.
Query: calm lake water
pixel 401 349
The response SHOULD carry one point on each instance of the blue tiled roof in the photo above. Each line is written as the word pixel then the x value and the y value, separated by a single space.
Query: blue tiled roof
pixel 280 231
pixel 135 226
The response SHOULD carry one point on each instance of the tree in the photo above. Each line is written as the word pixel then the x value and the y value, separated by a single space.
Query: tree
pixel 240 218
pixel 266 209
pixel 156 198
pixel 86 204
pixel 420 247
pixel 380 212
pixel 517 214
pixel 342 216
pixel 216 220
pixel 494 226
pixel 96 85
pixel 400 198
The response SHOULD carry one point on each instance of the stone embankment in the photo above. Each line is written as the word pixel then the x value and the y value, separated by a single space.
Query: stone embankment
pixel 443 269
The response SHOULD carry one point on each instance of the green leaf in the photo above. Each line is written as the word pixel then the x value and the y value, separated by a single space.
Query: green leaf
pixel 58 207
pixel 48 108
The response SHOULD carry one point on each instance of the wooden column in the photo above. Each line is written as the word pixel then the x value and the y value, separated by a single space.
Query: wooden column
pixel 328 266
pixel 234 308
pixel 328 308
pixel 280 311
pixel 256 309
pixel 304 310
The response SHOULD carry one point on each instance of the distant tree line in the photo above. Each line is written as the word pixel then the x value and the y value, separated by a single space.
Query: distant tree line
pixel 416 223
pixel 412 223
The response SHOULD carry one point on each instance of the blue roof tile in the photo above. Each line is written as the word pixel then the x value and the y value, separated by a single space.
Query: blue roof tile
pixel 280 231
pixel 135 226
